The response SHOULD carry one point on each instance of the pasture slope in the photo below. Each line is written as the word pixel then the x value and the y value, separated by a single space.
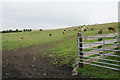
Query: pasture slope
pixel 40 55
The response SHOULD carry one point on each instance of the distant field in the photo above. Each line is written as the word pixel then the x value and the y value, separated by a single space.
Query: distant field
pixel 12 41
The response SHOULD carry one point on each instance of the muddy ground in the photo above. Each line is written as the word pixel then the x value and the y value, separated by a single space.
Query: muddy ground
pixel 30 63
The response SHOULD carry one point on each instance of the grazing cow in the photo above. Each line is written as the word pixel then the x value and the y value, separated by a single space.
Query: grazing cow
pixel 79 30
pixel 111 29
pixel 100 32
pixel 92 29
pixel 69 30
pixel 21 37
pixel 84 30
pixel 63 32
pixel 50 34
pixel 100 39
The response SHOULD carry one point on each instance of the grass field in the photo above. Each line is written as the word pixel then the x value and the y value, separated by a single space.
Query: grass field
pixel 63 54
pixel 12 41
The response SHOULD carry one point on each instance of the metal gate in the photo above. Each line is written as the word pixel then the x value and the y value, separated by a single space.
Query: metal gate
pixel 99 51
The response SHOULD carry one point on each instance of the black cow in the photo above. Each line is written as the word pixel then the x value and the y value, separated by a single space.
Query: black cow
pixel 100 32
pixel 84 30
pixel 100 39
pixel 50 34
pixel 92 29
pixel 64 30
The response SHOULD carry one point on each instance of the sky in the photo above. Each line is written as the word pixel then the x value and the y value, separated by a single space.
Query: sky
pixel 54 14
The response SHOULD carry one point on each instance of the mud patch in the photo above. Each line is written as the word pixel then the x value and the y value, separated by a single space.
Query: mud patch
pixel 29 63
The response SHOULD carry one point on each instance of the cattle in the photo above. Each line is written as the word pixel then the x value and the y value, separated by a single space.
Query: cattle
pixel 100 39
pixel 50 34
pixel 111 29
pixel 79 30
pixel 21 37
pixel 69 30
pixel 92 29
pixel 100 31
pixel 63 32
pixel 85 30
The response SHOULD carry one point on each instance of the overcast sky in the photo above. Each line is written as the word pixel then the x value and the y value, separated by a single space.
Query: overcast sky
pixel 57 14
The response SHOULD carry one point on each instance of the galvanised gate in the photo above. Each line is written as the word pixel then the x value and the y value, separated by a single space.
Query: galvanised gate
pixel 105 52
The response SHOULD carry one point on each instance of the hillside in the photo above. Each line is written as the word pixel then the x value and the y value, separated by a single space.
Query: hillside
pixel 40 55
pixel 12 41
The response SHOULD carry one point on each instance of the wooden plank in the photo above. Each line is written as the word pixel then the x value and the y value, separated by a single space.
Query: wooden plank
pixel 80 65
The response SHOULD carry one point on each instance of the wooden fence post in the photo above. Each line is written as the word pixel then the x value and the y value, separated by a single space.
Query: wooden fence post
pixel 100 39
pixel 80 53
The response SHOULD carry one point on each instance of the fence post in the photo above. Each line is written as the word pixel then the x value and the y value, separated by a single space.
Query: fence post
pixel 100 39
pixel 80 53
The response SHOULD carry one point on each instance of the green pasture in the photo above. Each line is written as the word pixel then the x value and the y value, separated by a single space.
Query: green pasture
pixel 12 41
pixel 64 53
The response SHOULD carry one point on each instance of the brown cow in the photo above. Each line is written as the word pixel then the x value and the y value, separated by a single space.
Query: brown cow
pixel 63 32
pixel 21 37
pixel 79 30
pixel 111 29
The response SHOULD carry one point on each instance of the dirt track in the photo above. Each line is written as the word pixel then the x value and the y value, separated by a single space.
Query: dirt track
pixel 29 63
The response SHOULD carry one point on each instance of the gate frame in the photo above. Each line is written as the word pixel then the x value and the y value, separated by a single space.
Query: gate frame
pixel 80 52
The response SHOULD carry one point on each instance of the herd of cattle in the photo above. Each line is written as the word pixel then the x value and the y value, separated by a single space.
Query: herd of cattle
pixel 84 29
